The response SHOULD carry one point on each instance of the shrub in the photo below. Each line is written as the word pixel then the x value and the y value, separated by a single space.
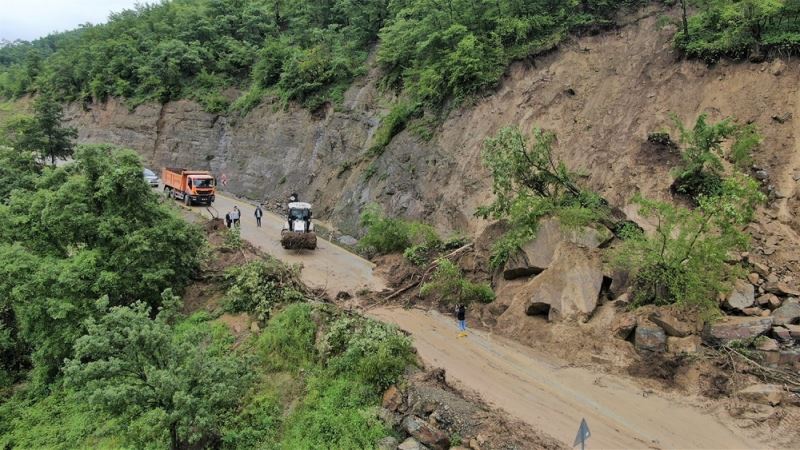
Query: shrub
pixel 386 235
pixel 376 353
pixel 391 125
pixel 287 343
pixel 450 286
pixel 683 262
pixel 259 286
pixel 233 239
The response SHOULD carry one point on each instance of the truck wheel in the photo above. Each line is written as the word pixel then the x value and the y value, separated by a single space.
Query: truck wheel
pixel 187 200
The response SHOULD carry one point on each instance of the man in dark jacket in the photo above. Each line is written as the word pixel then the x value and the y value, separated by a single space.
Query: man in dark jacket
pixel 228 220
pixel 258 215
pixel 461 315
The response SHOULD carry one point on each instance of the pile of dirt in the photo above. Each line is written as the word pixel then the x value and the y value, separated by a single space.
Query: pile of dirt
pixel 426 409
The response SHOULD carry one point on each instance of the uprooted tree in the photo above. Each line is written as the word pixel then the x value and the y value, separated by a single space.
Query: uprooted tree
pixel 529 184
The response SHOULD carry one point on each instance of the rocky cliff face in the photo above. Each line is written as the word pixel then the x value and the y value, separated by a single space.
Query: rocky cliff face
pixel 602 95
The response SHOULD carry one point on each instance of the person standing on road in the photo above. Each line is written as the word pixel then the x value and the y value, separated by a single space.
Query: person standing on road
pixel 235 215
pixel 461 315
pixel 228 220
pixel 258 215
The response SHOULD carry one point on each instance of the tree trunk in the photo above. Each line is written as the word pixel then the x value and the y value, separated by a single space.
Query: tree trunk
pixel 685 22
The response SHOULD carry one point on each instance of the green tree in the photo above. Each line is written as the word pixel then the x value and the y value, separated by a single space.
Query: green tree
pixel 44 133
pixel 529 183
pixel 178 387
pixel 448 285
pixel 684 260
pixel 703 152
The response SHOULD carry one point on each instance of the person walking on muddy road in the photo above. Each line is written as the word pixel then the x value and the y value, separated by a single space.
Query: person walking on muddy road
pixel 235 216
pixel 461 315
pixel 258 213
pixel 228 220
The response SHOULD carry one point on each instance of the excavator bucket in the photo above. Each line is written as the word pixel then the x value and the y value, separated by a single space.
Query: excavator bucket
pixel 295 240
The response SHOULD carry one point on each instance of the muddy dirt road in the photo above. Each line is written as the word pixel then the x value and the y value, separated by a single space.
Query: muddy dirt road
pixel 530 386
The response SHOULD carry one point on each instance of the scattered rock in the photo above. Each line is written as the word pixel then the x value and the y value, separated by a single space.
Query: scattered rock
pixel 735 328
pixel 688 344
pixel 770 301
pixel 389 418
pixel 788 313
pixel 767 344
pixel 387 443
pixel 753 311
pixel 623 325
pixel 411 444
pixel 777 68
pixel 671 325
pixel 425 433
pixel 760 268
pixel 254 328
pixel 742 295
pixel 761 175
pixel 348 240
pixel 650 337
pixel 392 399
pixel 794 331
pixel 782 334
pixel 753 278
pixel 780 288
pixel 766 394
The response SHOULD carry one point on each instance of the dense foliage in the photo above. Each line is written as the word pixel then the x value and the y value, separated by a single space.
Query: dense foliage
pixel 43 133
pixel 260 286
pixel 386 234
pixel 304 50
pixel 448 285
pixel 74 234
pixel 685 260
pixel 704 152
pixel 529 184
pixel 741 29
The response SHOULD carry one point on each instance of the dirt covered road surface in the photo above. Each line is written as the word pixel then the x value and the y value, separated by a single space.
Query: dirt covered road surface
pixel 533 387
pixel 329 267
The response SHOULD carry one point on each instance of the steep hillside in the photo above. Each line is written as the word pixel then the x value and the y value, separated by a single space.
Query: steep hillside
pixel 602 95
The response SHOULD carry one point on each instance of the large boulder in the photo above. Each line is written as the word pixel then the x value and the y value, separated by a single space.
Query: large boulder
pixel 392 399
pixel 539 253
pixel 649 336
pixel 568 290
pixel 623 325
pixel 768 394
pixel 387 443
pixel 788 313
pixel 735 328
pixel 425 433
pixel 742 296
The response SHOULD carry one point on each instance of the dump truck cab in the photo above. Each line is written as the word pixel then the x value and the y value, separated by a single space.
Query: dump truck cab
pixel 191 186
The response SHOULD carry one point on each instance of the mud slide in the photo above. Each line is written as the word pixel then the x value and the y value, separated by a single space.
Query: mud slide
pixel 530 386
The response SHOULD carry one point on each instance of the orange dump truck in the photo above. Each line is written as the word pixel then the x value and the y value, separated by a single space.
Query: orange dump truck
pixel 191 186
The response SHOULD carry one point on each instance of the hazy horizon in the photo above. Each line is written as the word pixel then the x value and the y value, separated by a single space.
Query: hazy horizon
pixel 33 19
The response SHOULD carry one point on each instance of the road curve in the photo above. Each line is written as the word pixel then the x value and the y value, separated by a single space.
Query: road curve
pixel 530 386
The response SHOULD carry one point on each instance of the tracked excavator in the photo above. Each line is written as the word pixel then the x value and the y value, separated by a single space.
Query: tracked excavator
pixel 298 230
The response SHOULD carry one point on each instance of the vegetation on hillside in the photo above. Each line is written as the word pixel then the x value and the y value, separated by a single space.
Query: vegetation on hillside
pixel 741 29
pixel 306 51
pixel 95 351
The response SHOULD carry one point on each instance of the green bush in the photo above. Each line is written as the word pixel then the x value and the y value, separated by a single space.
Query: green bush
pixel 448 285
pixel 259 286
pixel 287 343
pixel 391 125
pixel 376 353
pixel 684 260
pixel 386 235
